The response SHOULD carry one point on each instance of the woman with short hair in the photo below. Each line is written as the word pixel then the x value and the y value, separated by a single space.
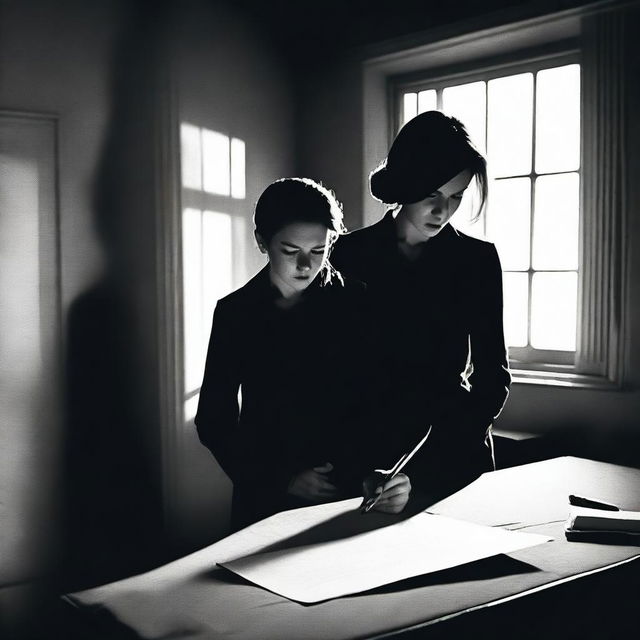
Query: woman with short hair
pixel 438 304
pixel 290 339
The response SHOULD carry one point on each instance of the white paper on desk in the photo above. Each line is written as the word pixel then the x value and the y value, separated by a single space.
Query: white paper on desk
pixel 419 545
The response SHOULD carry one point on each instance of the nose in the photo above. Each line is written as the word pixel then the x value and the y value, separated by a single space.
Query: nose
pixel 440 207
pixel 303 262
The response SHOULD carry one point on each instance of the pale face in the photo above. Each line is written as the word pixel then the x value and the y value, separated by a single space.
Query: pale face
pixel 296 253
pixel 422 220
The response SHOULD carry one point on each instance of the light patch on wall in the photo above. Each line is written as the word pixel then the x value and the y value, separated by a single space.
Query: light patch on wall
pixel 29 330
pixel 207 277
pixel 191 156
pixel 213 165
pixel 238 180
pixel 212 162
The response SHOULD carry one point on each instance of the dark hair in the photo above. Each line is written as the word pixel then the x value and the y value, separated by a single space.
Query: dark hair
pixel 292 200
pixel 429 150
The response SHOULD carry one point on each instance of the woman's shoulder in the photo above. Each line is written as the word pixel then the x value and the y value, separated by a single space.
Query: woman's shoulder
pixel 471 244
pixel 366 235
pixel 343 286
pixel 256 289
pixel 357 249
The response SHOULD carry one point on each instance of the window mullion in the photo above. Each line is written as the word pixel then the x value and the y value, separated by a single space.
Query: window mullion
pixel 532 201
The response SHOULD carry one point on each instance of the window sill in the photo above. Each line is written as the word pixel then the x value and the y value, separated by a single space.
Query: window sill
pixel 562 379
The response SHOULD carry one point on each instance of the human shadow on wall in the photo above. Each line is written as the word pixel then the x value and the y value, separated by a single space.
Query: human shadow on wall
pixel 112 497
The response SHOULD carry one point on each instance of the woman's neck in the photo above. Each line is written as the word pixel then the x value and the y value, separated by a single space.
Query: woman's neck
pixel 288 297
pixel 410 241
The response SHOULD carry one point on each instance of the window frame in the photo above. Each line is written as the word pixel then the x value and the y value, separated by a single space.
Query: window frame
pixel 598 33
pixel 561 54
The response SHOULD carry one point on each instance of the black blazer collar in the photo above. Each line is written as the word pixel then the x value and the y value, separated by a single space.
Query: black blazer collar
pixel 386 231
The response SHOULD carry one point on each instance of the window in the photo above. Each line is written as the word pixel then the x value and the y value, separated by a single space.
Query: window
pixel 476 66
pixel 213 229
pixel 526 119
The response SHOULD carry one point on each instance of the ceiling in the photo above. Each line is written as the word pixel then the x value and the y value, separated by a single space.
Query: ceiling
pixel 306 30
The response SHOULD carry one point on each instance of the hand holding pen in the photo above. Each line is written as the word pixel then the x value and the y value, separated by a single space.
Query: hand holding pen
pixel 390 496
pixel 390 489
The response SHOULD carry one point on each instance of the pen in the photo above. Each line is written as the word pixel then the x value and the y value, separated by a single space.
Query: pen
pixel 579 501
pixel 393 472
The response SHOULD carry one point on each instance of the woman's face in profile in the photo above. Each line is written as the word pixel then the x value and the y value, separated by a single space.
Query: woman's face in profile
pixel 296 253
pixel 429 216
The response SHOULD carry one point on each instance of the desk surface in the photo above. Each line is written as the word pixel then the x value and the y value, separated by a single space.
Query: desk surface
pixel 193 598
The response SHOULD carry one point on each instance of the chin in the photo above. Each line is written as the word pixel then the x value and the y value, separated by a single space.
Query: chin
pixel 300 284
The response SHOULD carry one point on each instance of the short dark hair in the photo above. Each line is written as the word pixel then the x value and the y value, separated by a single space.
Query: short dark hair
pixel 291 200
pixel 429 150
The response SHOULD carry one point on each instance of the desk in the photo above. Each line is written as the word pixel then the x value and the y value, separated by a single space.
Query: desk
pixel 192 598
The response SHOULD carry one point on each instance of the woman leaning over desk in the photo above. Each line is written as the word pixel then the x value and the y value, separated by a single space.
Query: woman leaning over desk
pixel 288 339
pixel 439 304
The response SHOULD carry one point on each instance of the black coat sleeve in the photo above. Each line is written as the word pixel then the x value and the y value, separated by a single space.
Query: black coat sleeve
pixel 458 449
pixel 218 410
pixel 490 378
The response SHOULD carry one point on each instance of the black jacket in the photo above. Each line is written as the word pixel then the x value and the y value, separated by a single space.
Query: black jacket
pixel 441 343
pixel 300 373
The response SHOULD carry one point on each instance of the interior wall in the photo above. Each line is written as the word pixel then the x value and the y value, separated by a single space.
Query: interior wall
pixel 586 421
pixel 99 70
pixel 329 133
pixel 54 60
pixel 230 79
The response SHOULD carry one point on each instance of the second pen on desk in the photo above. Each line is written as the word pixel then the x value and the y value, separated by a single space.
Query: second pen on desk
pixel 393 472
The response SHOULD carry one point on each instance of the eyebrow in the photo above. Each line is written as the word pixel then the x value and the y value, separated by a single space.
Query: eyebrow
pixel 295 246
pixel 457 193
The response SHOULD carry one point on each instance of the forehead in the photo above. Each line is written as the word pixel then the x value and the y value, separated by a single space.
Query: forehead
pixel 303 234
pixel 458 183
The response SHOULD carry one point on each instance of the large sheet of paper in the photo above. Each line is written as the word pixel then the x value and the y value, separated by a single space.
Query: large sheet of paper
pixel 419 545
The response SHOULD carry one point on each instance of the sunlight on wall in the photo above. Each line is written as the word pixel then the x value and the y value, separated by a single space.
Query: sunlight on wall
pixel 28 317
pixel 213 165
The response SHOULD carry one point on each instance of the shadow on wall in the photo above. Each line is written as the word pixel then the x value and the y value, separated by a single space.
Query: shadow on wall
pixel 112 492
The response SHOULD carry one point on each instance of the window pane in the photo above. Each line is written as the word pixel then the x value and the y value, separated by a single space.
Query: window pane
pixel 554 300
pixel 516 308
pixel 558 119
pixel 556 222
pixel 409 107
pixel 190 156
pixel 215 158
pixel 238 179
pixel 192 285
pixel 467 102
pixel 427 101
pixel 508 221
pixel 510 124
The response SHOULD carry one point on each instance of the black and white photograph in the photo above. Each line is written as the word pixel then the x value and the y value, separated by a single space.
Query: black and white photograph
pixel 319 319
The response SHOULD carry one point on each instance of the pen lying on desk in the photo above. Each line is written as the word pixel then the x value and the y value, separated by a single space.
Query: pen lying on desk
pixel 393 472
pixel 579 501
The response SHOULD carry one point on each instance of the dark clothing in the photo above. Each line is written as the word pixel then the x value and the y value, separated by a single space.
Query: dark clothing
pixel 441 343
pixel 299 372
